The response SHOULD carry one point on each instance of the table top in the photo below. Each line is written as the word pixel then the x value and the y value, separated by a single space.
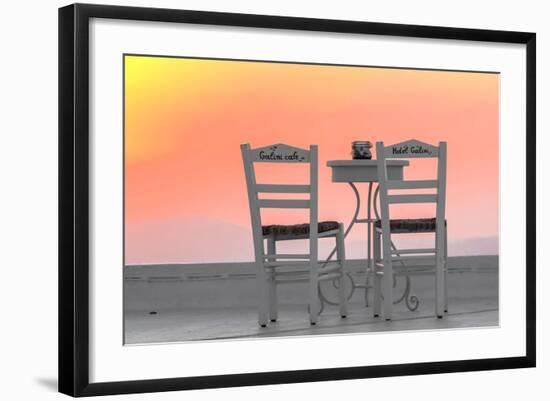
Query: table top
pixel 364 170
pixel 365 163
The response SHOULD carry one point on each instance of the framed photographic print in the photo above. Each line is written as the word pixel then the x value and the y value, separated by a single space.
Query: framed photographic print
pixel 285 193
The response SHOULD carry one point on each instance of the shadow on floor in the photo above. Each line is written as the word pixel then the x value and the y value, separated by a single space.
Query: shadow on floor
pixel 49 383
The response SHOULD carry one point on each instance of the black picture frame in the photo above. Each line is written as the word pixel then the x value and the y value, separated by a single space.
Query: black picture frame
pixel 74 194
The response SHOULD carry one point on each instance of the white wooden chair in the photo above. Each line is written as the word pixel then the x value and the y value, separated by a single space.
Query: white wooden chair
pixel 388 259
pixel 272 268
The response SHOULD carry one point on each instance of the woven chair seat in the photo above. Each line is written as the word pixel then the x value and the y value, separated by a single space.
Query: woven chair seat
pixel 298 230
pixel 410 225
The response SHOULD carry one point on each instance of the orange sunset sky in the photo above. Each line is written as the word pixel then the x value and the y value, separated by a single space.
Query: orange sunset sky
pixel 185 191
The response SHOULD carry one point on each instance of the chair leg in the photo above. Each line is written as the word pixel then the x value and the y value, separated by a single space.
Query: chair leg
pixel 446 267
pixel 313 297
pixel 368 273
pixel 439 274
pixel 261 286
pixel 314 305
pixel 387 279
pixel 341 256
pixel 377 304
pixel 272 285
pixel 387 285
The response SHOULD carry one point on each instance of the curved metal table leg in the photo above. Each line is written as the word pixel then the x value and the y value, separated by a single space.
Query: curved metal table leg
pixel 411 301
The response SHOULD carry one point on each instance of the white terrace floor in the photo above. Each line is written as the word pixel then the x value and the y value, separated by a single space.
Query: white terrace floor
pixel 209 302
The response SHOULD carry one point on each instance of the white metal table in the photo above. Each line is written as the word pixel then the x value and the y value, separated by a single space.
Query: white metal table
pixel 366 171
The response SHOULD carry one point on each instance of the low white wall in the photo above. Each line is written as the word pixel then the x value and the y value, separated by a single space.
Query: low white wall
pixel 233 285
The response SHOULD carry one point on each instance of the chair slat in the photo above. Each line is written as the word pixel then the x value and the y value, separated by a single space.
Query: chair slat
pixel 286 256
pixel 412 251
pixel 416 258
pixel 416 198
pixel 412 184
pixel 292 280
pixel 284 203
pixel 291 273
pixel 416 270
pixel 282 188
pixel 290 263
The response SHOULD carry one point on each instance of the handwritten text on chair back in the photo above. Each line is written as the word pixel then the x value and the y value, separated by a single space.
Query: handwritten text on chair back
pixel 280 153
pixel 410 149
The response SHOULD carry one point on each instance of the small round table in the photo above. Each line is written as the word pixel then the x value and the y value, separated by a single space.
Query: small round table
pixel 366 171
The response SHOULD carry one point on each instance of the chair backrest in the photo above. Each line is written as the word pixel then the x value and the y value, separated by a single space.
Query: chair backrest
pixel 281 153
pixel 408 150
